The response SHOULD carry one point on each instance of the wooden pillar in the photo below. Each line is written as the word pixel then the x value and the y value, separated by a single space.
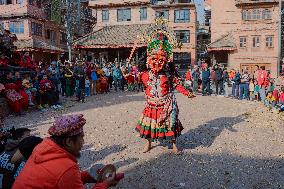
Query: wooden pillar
pixel 118 56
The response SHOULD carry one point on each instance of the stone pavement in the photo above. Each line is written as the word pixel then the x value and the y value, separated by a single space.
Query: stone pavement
pixel 227 143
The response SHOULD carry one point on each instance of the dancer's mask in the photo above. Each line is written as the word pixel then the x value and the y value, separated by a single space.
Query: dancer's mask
pixel 158 53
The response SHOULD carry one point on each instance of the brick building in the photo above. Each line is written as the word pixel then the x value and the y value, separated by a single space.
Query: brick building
pixel 120 22
pixel 244 33
pixel 30 21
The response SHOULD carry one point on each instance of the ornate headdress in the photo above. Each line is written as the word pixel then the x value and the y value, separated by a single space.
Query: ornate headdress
pixel 160 38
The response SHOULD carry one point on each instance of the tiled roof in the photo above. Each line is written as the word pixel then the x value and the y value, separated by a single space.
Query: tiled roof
pixel 226 42
pixel 36 44
pixel 238 2
pixel 113 36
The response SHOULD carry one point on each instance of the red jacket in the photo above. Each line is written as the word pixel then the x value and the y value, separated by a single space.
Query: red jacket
pixel 188 76
pixel 45 85
pixel 281 97
pixel 51 167
pixel 262 78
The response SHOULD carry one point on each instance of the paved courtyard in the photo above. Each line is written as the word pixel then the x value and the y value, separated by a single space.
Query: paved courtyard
pixel 227 143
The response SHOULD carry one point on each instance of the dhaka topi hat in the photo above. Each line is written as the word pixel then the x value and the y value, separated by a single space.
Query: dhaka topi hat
pixel 68 125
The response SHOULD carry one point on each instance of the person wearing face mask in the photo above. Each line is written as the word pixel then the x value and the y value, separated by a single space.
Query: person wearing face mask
pixel 159 119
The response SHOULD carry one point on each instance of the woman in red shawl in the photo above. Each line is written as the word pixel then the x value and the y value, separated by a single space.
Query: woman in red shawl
pixel 3 60
pixel 26 61
pixel 14 99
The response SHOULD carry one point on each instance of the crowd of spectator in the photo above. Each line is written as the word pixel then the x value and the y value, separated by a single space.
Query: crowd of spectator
pixel 259 86
pixel 41 87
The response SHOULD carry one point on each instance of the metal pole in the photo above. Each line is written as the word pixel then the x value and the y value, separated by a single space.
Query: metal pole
pixel 279 38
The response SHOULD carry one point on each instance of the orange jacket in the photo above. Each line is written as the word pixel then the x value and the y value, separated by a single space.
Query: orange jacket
pixel 51 167
pixel 188 76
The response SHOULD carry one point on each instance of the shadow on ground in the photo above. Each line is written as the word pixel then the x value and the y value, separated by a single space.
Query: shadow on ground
pixel 199 171
pixel 204 135
pixel 90 156
pixel 101 100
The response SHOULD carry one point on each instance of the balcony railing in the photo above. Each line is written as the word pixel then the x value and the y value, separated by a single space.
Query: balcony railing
pixel 167 2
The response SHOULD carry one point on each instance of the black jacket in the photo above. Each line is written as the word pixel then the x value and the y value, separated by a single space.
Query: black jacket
pixel 219 74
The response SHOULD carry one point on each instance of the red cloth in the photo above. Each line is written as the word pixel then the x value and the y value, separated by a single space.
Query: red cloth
pixel 164 85
pixel 51 167
pixel 188 76
pixel 25 100
pixel 15 106
pixel 26 62
pixel 275 94
pixel 45 85
pixel 281 97
pixel 159 119
pixel 262 78
pixel 4 62
pixel 11 86
pixel 130 79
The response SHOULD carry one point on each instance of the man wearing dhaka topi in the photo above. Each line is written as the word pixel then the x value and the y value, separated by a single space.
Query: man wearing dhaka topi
pixel 159 119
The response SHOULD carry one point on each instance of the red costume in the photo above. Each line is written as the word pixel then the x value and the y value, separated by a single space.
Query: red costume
pixel 159 119
pixel 14 99
pixel 4 61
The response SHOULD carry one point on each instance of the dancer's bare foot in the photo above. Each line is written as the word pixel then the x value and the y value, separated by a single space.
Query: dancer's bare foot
pixel 176 150
pixel 148 146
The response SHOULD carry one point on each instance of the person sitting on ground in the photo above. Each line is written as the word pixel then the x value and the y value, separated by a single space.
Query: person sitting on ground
pixel 28 86
pixel 14 99
pixel 50 96
pixel 18 80
pixel 15 159
pixel 270 100
pixel 53 164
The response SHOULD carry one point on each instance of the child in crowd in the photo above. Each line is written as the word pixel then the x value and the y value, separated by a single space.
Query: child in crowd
pixel 276 95
pixel 256 90
pixel 130 82
pixel 104 84
pixel 251 90
pixel 270 100
pixel 28 86
pixel 99 85
pixel 49 95
pixel 139 83
pixel 87 87
pixel 271 85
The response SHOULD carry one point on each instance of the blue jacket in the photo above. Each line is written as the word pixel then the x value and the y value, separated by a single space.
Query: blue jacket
pixel 206 75
pixel 116 73
pixel 237 79
pixel 94 76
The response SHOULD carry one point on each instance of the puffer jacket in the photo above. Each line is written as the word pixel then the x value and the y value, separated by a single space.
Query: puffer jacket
pixel 51 167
